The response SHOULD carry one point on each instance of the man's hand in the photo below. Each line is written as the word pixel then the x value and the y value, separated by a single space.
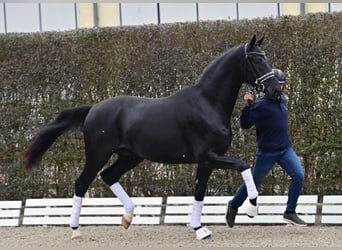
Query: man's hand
pixel 248 98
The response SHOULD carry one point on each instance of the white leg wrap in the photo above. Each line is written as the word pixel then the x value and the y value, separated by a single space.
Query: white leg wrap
pixel 76 211
pixel 196 214
pixel 123 197
pixel 250 185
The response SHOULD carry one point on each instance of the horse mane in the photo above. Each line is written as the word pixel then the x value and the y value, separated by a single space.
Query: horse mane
pixel 208 70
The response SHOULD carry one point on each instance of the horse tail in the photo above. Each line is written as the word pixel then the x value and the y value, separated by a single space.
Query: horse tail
pixel 68 119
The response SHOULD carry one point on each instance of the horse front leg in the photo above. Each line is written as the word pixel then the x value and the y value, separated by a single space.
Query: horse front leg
pixel 202 177
pixel 213 160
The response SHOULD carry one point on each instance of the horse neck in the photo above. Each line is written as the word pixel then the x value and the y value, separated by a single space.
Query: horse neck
pixel 221 82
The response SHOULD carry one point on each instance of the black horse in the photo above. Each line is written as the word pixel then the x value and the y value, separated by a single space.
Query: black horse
pixel 191 126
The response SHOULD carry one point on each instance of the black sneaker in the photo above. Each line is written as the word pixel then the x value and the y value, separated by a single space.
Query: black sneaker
pixel 293 218
pixel 230 215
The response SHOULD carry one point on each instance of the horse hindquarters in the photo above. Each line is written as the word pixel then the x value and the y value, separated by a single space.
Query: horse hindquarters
pixel 102 135
pixel 98 149
pixel 101 140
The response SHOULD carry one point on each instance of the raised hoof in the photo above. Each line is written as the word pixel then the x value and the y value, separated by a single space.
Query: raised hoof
pixel 76 234
pixel 125 222
pixel 203 233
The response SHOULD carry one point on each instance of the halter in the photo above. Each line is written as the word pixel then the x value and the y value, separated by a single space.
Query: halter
pixel 259 86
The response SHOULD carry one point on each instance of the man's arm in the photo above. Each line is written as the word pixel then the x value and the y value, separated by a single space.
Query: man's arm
pixel 246 120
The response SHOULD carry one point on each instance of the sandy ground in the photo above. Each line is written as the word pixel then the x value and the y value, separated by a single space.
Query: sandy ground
pixel 171 236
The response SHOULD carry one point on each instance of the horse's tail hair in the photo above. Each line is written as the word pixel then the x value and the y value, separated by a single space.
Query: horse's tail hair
pixel 68 119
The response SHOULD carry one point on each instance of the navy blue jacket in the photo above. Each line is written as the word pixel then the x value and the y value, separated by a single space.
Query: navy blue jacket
pixel 270 120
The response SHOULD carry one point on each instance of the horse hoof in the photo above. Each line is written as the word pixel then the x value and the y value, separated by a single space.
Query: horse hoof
pixel 125 223
pixel 76 234
pixel 203 233
pixel 126 220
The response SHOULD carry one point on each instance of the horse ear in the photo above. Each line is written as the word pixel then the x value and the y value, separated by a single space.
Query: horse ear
pixel 259 42
pixel 253 40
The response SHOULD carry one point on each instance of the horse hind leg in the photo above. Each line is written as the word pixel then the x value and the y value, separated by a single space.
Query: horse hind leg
pixel 81 186
pixel 111 177
pixel 202 177
pixel 94 163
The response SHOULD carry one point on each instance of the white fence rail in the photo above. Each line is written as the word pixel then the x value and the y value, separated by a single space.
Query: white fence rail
pixel 173 210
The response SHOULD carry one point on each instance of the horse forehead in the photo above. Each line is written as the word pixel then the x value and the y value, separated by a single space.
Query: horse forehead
pixel 257 51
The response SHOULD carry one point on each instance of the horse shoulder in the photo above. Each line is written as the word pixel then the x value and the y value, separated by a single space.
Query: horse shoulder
pixel 208 124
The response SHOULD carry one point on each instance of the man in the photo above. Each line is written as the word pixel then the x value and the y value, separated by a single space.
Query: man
pixel 273 146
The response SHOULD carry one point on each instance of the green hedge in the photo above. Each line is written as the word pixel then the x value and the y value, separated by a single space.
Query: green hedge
pixel 43 73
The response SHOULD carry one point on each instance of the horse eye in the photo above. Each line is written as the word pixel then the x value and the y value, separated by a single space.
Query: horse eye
pixel 260 59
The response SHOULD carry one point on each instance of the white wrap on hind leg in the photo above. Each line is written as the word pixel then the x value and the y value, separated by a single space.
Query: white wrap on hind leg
pixel 75 216
pixel 127 203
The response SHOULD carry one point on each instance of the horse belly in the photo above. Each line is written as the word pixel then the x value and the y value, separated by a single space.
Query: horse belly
pixel 163 145
pixel 168 151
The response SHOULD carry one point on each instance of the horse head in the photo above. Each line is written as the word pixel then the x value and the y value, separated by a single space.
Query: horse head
pixel 260 74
